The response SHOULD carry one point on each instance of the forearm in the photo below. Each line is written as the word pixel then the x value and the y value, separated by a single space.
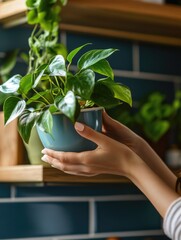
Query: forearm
pixel 153 186
pixel 156 163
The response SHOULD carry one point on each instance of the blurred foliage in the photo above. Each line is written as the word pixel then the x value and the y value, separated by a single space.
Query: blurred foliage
pixel 7 64
pixel 154 116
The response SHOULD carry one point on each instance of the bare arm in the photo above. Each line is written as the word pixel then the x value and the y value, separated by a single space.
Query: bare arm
pixel 126 163
pixel 124 135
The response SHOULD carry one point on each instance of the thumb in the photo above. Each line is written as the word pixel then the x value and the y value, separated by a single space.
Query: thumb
pixel 90 134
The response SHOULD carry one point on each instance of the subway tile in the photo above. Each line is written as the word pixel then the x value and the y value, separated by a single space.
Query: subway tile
pixel 160 59
pixel 121 59
pixel 14 38
pixel 133 238
pixel 20 220
pixel 76 190
pixel 4 190
pixel 140 88
pixel 123 216
pixel 146 238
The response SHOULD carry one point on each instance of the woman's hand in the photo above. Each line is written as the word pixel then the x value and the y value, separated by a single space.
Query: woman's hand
pixel 110 157
pixel 122 134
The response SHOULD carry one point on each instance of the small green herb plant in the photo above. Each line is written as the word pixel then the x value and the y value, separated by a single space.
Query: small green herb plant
pixel 54 88
pixel 154 115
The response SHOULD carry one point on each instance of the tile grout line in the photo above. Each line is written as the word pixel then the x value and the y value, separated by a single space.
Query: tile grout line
pixel 92 217
pixel 12 192
pixel 143 75
pixel 63 37
pixel 139 233
pixel 147 76
pixel 136 57
pixel 136 197
pixel 133 74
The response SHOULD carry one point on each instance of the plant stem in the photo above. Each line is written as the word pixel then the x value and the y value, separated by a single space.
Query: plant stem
pixel 41 96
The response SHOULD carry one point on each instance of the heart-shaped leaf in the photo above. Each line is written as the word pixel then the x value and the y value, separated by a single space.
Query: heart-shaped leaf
pixel 68 105
pixel 26 84
pixel 93 56
pixel 103 96
pixel 45 122
pixel 11 85
pixel 57 66
pixel 119 91
pixel 13 107
pixel 82 84
pixel 26 122
pixel 103 67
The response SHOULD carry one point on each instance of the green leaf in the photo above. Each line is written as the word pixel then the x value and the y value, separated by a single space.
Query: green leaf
pixel 72 54
pixel 57 66
pixel 63 2
pixel 13 107
pixel 11 85
pixel 26 122
pixel 32 16
pixel 26 84
pixel 68 105
pixel 156 130
pixel 103 67
pixel 103 96
pixel 93 56
pixel 37 76
pixel 119 91
pixel 82 84
pixel 45 122
pixel 32 3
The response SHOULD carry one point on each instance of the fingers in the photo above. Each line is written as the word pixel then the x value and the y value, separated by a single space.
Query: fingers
pixel 109 122
pixel 64 157
pixel 62 162
pixel 91 134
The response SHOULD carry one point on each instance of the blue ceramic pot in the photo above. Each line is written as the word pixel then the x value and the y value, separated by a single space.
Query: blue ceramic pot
pixel 65 138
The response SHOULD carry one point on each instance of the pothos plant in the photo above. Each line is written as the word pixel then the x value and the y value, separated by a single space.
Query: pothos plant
pixel 44 39
pixel 53 87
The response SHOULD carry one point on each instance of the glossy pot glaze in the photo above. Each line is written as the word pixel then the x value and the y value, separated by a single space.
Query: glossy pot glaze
pixel 65 138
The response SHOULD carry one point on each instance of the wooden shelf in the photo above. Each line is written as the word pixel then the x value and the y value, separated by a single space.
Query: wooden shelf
pixel 39 173
pixel 124 19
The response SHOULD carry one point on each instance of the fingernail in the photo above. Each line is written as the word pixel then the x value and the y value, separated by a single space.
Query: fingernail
pixel 79 126
pixel 44 158
pixel 44 151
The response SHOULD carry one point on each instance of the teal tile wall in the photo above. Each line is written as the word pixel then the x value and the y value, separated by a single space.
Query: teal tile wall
pixel 123 216
pixel 92 211
pixel 79 190
pixel 140 88
pixel 119 60
pixel 160 59
pixel 35 219
pixel 14 38
pixel 4 190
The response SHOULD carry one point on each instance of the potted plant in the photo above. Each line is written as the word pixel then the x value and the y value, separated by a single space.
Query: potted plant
pixel 45 17
pixel 154 119
pixel 53 88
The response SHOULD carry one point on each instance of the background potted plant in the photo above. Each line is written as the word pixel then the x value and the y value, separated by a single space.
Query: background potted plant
pixel 52 88
pixel 156 120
